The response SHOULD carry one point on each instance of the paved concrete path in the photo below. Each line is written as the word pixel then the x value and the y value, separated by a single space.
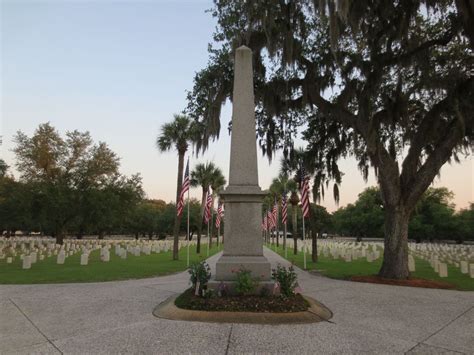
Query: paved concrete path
pixel 115 317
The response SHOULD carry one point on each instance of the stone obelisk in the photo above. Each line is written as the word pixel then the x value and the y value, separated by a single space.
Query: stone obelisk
pixel 243 247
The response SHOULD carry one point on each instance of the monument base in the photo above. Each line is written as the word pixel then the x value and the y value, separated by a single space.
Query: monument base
pixel 215 285
pixel 227 266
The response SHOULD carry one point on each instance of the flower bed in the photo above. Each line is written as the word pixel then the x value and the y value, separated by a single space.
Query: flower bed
pixel 248 303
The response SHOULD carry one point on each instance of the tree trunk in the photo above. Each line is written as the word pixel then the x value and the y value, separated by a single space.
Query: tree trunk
pixel 278 236
pixel 177 219
pixel 59 238
pixel 314 234
pixel 395 258
pixel 210 233
pixel 294 213
pixel 314 247
pixel 203 201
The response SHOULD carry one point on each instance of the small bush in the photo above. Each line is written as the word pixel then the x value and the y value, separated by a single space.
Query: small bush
pixel 287 279
pixel 200 272
pixel 222 290
pixel 245 284
pixel 265 292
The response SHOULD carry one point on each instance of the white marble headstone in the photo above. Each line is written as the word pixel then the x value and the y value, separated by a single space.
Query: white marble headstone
pixel 26 262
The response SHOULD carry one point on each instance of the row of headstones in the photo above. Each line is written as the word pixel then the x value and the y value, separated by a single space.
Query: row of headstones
pixel 441 255
pixel 456 248
pixel 51 246
pixel 441 266
pixel 25 245
pixel 120 250
pixel 350 251
pixel 451 252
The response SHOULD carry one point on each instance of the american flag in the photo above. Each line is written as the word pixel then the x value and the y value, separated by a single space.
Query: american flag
pixel 284 209
pixel 184 189
pixel 220 213
pixel 304 187
pixel 271 222
pixel 275 213
pixel 207 209
pixel 265 222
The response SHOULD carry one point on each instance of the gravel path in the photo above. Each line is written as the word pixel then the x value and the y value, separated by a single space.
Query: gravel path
pixel 115 317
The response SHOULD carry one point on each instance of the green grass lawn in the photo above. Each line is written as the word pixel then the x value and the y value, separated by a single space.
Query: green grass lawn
pixel 134 267
pixel 339 269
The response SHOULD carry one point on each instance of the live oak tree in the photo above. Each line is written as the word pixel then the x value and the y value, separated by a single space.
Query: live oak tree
pixel 387 82
pixel 3 168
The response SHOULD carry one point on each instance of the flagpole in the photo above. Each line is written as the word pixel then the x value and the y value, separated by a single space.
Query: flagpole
pixel 187 253
pixel 284 242
pixel 207 238
pixel 274 235
pixel 278 227
pixel 212 217
pixel 304 247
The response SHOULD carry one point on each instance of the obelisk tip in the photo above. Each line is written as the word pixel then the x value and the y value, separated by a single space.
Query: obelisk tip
pixel 244 48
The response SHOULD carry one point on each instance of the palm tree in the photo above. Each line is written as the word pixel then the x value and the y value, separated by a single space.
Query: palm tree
pixel 283 183
pixel 294 200
pixel 292 165
pixel 288 166
pixel 217 184
pixel 177 134
pixel 205 175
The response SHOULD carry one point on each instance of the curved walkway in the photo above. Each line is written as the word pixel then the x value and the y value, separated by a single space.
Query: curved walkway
pixel 116 317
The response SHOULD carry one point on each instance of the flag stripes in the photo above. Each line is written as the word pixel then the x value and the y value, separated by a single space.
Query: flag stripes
pixel 275 213
pixel 265 222
pixel 304 186
pixel 184 189
pixel 220 214
pixel 271 221
pixel 284 209
pixel 208 207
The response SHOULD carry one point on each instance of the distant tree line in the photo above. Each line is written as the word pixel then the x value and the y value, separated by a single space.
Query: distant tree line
pixel 434 217
pixel 72 187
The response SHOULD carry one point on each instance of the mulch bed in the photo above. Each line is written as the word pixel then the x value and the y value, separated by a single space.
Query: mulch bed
pixel 412 282
pixel 265 304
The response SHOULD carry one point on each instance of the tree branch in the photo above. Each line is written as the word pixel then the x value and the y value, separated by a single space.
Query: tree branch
pixel 435 161
pixel 443 40
pixel 427 127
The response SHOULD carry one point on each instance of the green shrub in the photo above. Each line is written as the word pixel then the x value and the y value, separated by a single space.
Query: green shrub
pixel 287 279
pixel 200 272
pixel 265 291
pixel 245 284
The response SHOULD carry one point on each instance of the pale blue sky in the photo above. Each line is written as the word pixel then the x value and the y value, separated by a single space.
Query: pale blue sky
pixel 120 70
